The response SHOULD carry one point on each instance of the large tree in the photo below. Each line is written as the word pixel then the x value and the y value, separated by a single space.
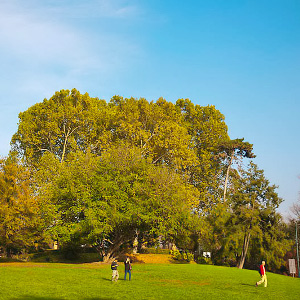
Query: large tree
pixel 103 201
pixel 109 171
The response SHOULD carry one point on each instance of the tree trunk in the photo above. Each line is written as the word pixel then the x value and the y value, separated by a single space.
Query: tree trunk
pixel 65 145
pixel 110 255
pixel 108 258
pixel 227 176
pixel 136 242
pixel 67 135
pixel 242 258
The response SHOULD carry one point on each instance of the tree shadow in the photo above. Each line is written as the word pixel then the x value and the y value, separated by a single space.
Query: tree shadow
pixel 100 298
pixel 27 297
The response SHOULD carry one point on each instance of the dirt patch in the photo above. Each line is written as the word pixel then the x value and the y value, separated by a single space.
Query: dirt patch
pixel 151 258
pixel 135 258
pixel 155 259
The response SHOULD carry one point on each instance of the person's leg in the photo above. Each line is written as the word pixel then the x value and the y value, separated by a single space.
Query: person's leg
pixel 117 275
pixel 113 275
pixel 129 274
pixel 266 281
pixel 125 275
pixel 261 281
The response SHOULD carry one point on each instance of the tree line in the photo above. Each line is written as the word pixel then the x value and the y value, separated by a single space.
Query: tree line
pixel 108 174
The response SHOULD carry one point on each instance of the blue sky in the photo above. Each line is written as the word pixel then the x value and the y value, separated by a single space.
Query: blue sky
pixel 241 56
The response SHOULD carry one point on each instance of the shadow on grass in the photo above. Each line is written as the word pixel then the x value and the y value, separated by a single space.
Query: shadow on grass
pixel 248 284
pixel 52 298
pixel 180 262
pixel 107 279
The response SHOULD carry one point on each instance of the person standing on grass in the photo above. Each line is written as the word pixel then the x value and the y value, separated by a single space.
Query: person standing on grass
pixel 115 273
pixel 128 268
pixel 263 275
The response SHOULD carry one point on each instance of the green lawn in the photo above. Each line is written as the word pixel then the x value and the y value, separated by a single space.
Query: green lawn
pixel 173 281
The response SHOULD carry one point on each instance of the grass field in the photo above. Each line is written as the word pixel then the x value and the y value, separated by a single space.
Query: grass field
pixel 24 281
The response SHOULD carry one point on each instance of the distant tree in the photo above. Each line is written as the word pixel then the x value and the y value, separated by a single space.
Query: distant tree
pixel 293 221
pixel 295 210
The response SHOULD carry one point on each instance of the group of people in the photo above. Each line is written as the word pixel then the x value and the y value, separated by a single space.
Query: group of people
pixel 115 273
pixel 128 267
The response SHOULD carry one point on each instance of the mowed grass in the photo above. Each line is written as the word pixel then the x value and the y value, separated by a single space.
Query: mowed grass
pixel 149 281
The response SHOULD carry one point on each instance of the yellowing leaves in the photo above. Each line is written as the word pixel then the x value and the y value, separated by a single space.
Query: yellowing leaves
pixel 18 206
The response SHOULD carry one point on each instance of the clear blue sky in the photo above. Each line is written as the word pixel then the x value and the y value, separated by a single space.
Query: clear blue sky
pixel 241 56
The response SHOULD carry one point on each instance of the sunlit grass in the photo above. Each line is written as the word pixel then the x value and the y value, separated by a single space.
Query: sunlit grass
pixel 167 281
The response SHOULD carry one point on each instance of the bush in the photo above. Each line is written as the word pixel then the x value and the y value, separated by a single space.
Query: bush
pixel 47 256
pixel 57 256
pixel 71 251
pixel 204 260
pixel 182 255
pixel 8 259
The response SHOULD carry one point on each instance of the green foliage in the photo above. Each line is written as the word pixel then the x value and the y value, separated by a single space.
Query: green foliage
pixel 19 222
pixel 107 173
pixel 102 201
pixel 55 256
pixel 204 260
pixel 182 255
pixel 64 123
pixel 253 222
pixel 208 130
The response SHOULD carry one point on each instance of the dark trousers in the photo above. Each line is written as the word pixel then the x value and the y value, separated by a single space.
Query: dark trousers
pixel 129 272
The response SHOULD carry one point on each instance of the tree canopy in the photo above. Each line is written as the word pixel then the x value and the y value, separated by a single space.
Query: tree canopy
pixel 107 173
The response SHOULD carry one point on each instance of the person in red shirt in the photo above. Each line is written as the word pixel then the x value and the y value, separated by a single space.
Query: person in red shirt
pixel 263 275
